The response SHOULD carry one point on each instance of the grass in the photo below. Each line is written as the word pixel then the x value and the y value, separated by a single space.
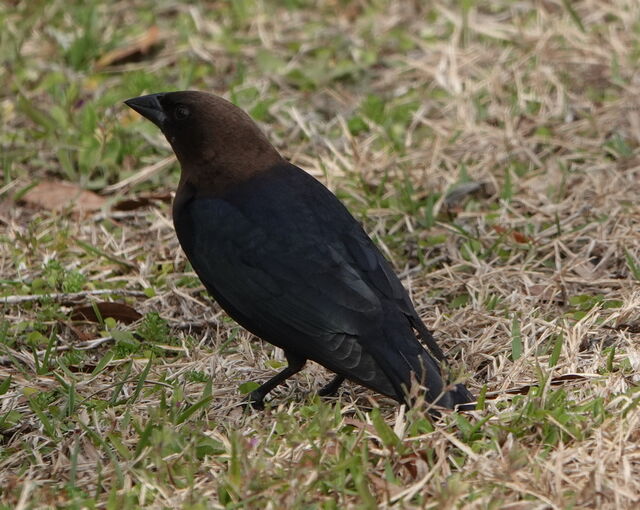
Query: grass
pixel 490 148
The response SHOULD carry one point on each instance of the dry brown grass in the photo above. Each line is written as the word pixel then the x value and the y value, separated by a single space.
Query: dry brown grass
pixel 538 105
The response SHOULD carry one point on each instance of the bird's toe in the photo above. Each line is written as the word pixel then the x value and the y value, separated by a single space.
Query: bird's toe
pixel 255 401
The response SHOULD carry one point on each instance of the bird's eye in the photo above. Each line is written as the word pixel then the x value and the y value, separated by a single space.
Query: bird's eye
pixel 181 112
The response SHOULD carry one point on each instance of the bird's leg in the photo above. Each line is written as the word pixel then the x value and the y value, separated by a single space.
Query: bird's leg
pixel 332 386
pixel 256 397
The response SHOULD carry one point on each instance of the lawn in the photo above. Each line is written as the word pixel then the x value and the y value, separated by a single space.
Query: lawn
pixel 491 149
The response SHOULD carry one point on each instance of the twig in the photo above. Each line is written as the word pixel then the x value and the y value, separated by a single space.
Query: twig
pixel 193 324
pixel 83 346
pixel 89 344
pixel 67 296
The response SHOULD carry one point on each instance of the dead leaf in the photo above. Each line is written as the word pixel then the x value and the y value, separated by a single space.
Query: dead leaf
pixel 409 462
pixel 545 293
pixel 360 425
pixel 60 195
pixel 382 486
pixel 140 201
pixel 518 237
pixel 134 49
pixel 456 195
pixel 119 311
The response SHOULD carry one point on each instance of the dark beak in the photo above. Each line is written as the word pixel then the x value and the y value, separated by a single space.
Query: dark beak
pixel 149 107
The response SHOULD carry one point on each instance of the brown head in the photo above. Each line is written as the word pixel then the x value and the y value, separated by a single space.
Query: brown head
pixel 218 145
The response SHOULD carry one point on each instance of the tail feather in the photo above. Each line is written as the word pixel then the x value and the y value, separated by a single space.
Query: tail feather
pixel 405 360
pixel 462 398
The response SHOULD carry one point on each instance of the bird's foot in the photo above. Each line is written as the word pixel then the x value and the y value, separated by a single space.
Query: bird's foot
pixel 255 400
pixel 331 387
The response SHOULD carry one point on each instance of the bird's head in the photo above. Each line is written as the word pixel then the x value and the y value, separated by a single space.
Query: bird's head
pixel 216 142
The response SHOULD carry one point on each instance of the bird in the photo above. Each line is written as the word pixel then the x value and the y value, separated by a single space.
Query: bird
pixel 285 259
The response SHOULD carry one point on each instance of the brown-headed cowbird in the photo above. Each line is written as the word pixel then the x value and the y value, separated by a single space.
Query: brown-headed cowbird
pixel 286 260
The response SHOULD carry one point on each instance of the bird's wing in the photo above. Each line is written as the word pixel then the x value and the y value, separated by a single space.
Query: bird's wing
pixel 302 294
pixel 378 271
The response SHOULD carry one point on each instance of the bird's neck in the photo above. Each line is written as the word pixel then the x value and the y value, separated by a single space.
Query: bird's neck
pixel 215 176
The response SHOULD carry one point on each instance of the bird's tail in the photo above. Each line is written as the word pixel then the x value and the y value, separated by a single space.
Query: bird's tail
pixel 462 399
pixel 450 396
pixel 459 397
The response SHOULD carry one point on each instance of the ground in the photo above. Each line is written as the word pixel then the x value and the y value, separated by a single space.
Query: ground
pixel 491 149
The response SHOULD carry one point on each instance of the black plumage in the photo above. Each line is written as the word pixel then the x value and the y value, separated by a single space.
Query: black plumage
pixel 285 259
